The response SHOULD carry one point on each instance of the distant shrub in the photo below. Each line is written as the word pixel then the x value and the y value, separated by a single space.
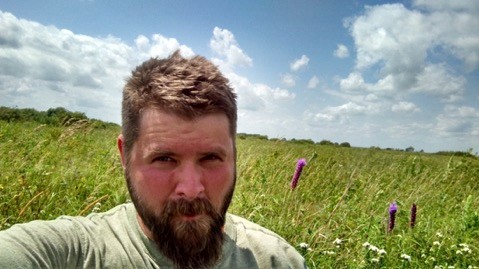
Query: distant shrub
pixel 345 144
pixel 326 143
pixel 302 141
pixel 54 116
pixel 256 136
pixel 456 153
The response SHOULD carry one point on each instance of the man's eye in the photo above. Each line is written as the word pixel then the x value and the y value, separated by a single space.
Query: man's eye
pixel 163 159
pixel 211 157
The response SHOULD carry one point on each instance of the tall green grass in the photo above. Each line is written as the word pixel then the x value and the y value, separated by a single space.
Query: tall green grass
pixel 336 217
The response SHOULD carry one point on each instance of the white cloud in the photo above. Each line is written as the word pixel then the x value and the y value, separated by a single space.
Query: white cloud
pixel 343 112
pixel 257 96
pixel 313 82
pixel 251 96
pixel 225 45
pixel 436 80
pixel 353 82
pixel 402 43
pixel 45 67
pixel 288 80
pixel 458 121
pixel 447 5
pixel 405 107
pixel 406 131
pixel 160 46
pixel 299 63
pixel 341 51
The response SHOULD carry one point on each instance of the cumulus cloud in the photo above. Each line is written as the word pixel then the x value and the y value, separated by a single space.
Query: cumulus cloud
pixel 288 80
pixel 353 82
pixel 251 96
pixel 257 96
pixel 45 67
pixel 437 80
pixel 447 5
pixel 458 120
pixel 225 45
pixel 342 113
pixel 300 63
pixel 160 46
pixel 407 107
pixel 313 82
pixel 341 51
pixel 402 43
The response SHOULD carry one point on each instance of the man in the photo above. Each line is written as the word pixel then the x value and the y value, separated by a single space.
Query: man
pixel 178 152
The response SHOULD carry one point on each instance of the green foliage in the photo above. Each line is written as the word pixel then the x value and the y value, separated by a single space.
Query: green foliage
pixel 336 217
pixel 345 144
pixel 252 136
pixel 54 116
pixel 326 143
pixel 48 171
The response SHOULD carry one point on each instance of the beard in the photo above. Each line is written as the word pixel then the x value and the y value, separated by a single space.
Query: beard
pixel 188 243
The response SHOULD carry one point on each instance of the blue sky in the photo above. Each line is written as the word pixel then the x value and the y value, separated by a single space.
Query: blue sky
pixel 372 73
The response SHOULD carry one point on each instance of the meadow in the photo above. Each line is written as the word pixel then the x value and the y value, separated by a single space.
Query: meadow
pixel 337 216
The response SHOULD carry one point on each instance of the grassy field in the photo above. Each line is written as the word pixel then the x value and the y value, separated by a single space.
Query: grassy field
pixel 336 217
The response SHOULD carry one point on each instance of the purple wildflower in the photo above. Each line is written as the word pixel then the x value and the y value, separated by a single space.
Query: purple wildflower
pixel 412 221
pixel 393 208
pixel 297 172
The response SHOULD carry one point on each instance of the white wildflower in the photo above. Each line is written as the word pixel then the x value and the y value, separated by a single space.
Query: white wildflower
pixel 439 234
pixel 374 248
pixel 303 245
pixel 436 243
pixel 450 267
pixel 376 260
pixel 328 252
pixel 459 252
pixel 96 208
pixel 367 245
pixel 337 241
pixel 382 252
pixel 406 257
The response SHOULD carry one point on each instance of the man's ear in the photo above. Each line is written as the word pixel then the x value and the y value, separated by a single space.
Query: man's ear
pixel 120 144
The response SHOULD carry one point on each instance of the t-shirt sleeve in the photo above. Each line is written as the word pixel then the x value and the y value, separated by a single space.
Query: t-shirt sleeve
pixel 269 249
pixel 41 244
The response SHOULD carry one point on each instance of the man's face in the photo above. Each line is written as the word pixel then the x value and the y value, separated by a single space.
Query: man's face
pixel 181 176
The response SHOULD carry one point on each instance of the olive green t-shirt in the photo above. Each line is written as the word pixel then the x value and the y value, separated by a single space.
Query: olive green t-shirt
pixel 114 239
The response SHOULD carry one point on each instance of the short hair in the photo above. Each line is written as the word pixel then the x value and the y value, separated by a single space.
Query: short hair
pixel 186 87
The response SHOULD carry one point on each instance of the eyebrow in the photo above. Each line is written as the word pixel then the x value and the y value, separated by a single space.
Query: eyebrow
pixel 157 151
pixel 166 152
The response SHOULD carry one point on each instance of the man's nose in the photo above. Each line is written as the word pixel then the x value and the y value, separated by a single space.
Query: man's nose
pixel 189 181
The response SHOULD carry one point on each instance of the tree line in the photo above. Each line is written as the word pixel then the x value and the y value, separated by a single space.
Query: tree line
pixel 58 116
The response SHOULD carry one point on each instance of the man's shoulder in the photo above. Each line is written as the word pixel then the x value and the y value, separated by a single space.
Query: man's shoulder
pixel 120 211
pixel 251 228
pixel 117 220
pixel 269 248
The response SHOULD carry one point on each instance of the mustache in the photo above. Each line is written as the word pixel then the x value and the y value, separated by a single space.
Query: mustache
pixel 196 206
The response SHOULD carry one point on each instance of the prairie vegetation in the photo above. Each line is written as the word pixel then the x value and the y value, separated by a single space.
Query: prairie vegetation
pixel 337 216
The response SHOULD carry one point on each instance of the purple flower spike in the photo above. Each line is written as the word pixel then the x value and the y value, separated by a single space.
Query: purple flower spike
pixel 297 173
pixel 393 208
pixel 412 221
